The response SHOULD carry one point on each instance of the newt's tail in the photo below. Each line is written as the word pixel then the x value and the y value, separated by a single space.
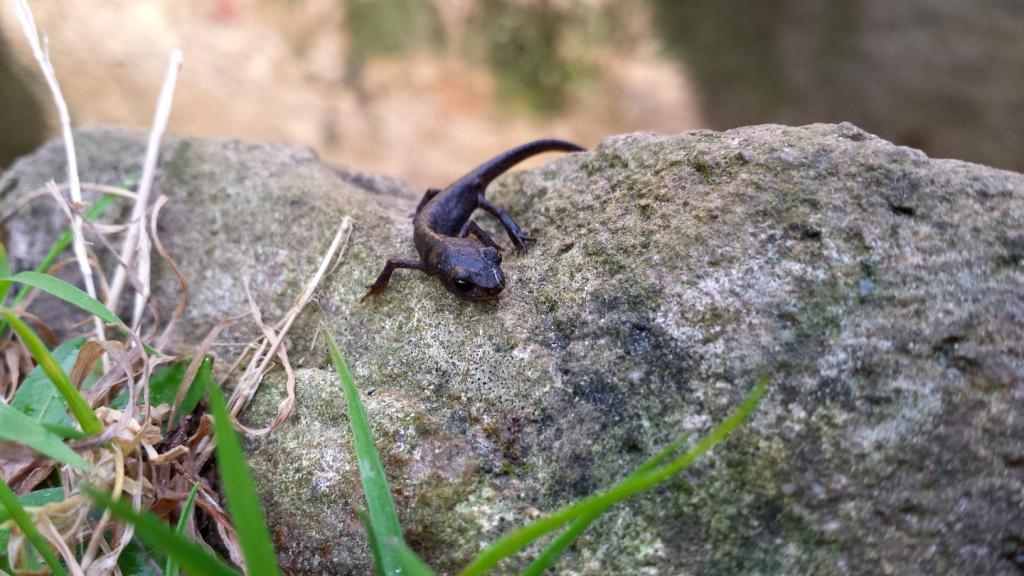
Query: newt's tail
pixel 498 165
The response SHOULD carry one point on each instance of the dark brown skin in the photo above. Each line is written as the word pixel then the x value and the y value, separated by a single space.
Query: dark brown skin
pixel 469 268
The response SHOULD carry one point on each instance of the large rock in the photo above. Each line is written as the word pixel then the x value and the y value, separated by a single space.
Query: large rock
pixel 880 290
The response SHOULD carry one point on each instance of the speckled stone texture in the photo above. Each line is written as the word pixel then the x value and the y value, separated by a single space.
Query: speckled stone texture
pixel 882 292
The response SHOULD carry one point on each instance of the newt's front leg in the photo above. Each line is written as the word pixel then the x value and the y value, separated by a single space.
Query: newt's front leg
pixel 515 233
pixel 473 228
pixel 385 275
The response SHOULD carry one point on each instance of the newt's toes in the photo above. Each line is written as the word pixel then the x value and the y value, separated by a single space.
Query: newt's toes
pixel 374 291
pixel 523 244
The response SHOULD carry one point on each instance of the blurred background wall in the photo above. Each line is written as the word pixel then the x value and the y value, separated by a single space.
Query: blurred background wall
pixel 22 119
pixel 424 89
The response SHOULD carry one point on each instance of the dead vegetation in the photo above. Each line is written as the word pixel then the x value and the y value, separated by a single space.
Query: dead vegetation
pixel 154 441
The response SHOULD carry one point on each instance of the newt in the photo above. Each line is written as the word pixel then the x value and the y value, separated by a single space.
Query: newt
pixel 469 268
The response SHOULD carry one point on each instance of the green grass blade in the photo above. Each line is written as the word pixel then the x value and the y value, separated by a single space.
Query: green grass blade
pixel 515 541
pixel 67 292
pixel 410 561
pixel 172 568
pixel 16 427
pixel 372 538
pixel 553 550
pixel 203 381
pixel 238 487
pixel 79 408
pixel 5 270
pixel 154 532
pixel 65 432
pixel 24 522
pixel 654 461
pixel 379 505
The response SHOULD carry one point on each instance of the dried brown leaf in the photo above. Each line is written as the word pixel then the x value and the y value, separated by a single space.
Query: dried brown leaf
pixel 13 356
pixel 172 454
pixel 41 328
pixel 88 355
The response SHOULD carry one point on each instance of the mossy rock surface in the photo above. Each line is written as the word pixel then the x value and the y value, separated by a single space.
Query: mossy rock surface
pixel 879 289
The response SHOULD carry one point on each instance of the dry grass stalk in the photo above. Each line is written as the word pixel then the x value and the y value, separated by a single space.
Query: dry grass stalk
pixel 28 26
pixel 183 288
pixel 284 410
pixel 50 532
pixel 42 192
pixel 136 243
pixel 272 343
pixel 133 278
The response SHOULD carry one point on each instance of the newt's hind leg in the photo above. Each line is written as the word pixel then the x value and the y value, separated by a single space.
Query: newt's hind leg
pixel 431 192
pixel 515 233
pixel 385 275
pixel 471 227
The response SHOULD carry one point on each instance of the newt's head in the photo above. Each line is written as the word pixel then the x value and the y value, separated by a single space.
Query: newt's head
pixel 471 270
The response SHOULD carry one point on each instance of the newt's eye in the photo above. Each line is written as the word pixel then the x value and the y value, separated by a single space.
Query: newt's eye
pixel 463 285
